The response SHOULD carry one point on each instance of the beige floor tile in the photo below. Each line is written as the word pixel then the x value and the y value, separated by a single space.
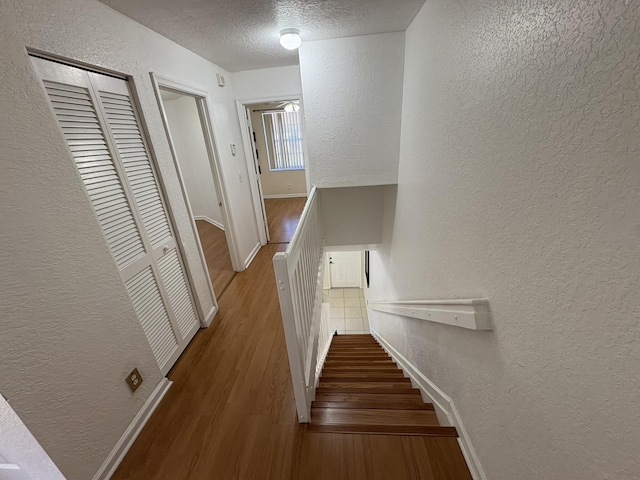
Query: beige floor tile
pixel 353 324
pixel 337 301
pixel 361 292
pixel 336 292
pixel 353 312
pixel 365 323
pixel 351 302
pixel 337 324
pixel 363 302
pixel 351 292
pixel 337 312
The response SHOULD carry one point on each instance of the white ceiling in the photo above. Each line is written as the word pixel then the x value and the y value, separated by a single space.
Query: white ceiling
pixel 243 34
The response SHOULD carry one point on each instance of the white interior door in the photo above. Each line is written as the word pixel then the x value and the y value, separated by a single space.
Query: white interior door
pixel 101 126
pixel 345 269
pixel 256 166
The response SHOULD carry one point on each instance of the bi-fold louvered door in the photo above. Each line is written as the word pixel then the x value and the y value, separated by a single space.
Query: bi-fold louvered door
pixel 101 127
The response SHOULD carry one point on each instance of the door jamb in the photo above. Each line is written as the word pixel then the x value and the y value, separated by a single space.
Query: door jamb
pixel 258 201
pixel 203 102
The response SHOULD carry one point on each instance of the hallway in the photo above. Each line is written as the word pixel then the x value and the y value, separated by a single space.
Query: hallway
pixel 230 413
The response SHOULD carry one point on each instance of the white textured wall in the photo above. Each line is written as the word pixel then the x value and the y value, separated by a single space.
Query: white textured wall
pixel 265 83
pixel 355 216
pixel 69 332
pixel 352 99
pixel 519 182
pixel 191 150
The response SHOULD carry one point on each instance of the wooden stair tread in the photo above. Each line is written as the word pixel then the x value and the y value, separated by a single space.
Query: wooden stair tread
pixel 427 431
pixel 361 390
pixel 348 388
pixel 348 361
pixel 357 416
pixel 347 367
pixel 407 397
pixel 376 377
pixel 362 374
pixel 375 405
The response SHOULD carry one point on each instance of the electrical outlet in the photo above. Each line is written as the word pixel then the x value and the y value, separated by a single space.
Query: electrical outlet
pixel 134 380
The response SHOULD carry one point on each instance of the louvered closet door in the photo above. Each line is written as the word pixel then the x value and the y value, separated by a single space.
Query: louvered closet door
pixel 101 127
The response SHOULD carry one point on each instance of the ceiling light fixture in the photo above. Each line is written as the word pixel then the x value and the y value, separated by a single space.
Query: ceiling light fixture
pixel 291 107
pixel 290 38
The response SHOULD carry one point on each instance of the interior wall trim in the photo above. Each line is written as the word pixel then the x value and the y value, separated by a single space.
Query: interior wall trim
pixel 252 255
pixel 286 195
pixel 210 220
pixel 129 436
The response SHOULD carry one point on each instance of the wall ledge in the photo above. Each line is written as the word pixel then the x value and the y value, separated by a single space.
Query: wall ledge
pixel 470 313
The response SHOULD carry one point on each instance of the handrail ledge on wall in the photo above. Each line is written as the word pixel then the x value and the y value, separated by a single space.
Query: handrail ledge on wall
pixel 470 313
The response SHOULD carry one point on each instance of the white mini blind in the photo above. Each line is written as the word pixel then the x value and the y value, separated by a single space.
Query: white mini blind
pixel 283 134
pixel 82 131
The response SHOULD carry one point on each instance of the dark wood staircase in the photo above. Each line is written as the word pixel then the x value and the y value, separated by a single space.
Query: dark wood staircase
pixel 361 390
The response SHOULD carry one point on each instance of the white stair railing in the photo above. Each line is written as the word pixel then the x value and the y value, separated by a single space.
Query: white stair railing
pixel 299 274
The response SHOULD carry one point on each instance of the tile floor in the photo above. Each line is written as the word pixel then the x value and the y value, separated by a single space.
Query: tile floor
pixel 348 310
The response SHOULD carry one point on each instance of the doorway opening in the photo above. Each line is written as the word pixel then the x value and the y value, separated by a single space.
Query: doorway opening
pixel 273 133
pixel 344 288
pixel 186 126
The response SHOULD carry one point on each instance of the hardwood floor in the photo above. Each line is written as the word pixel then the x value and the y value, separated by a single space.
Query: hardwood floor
pixel 216 252
pixel 230 413
pixel 283 215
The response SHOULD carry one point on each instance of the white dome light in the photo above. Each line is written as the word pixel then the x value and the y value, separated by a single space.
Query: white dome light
pixel 290 38
pixel 291 107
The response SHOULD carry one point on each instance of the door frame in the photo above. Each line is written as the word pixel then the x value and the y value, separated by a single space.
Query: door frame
pixel 258 198
pixel 203 102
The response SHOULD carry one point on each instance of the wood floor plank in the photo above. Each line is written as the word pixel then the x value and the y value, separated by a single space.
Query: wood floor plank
pixel 216 253
pixel 283 215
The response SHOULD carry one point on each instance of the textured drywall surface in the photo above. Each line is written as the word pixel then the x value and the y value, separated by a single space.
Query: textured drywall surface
pixel 69 332
pixel 244 34
pixel 354 216
pixel 284 182
pixel 352 99
pixel 191 150
pixel 519 182
pixel 267 83
pixel 18 446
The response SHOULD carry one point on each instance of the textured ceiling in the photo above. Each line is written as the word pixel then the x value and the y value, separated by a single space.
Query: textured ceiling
pixel 243 34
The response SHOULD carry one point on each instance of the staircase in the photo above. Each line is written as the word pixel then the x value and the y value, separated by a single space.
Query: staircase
pixel 361 390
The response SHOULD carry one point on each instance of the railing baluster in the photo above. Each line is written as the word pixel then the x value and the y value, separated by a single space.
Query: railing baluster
pixel 299 278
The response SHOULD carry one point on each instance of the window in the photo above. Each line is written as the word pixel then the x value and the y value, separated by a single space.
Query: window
pixel 283 134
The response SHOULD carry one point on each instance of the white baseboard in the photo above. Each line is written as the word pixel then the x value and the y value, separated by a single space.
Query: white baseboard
pixel 286 195
pixel 252 255
pixel 209 317
pixel 210 220
pixel 110 465
pixel 443 404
